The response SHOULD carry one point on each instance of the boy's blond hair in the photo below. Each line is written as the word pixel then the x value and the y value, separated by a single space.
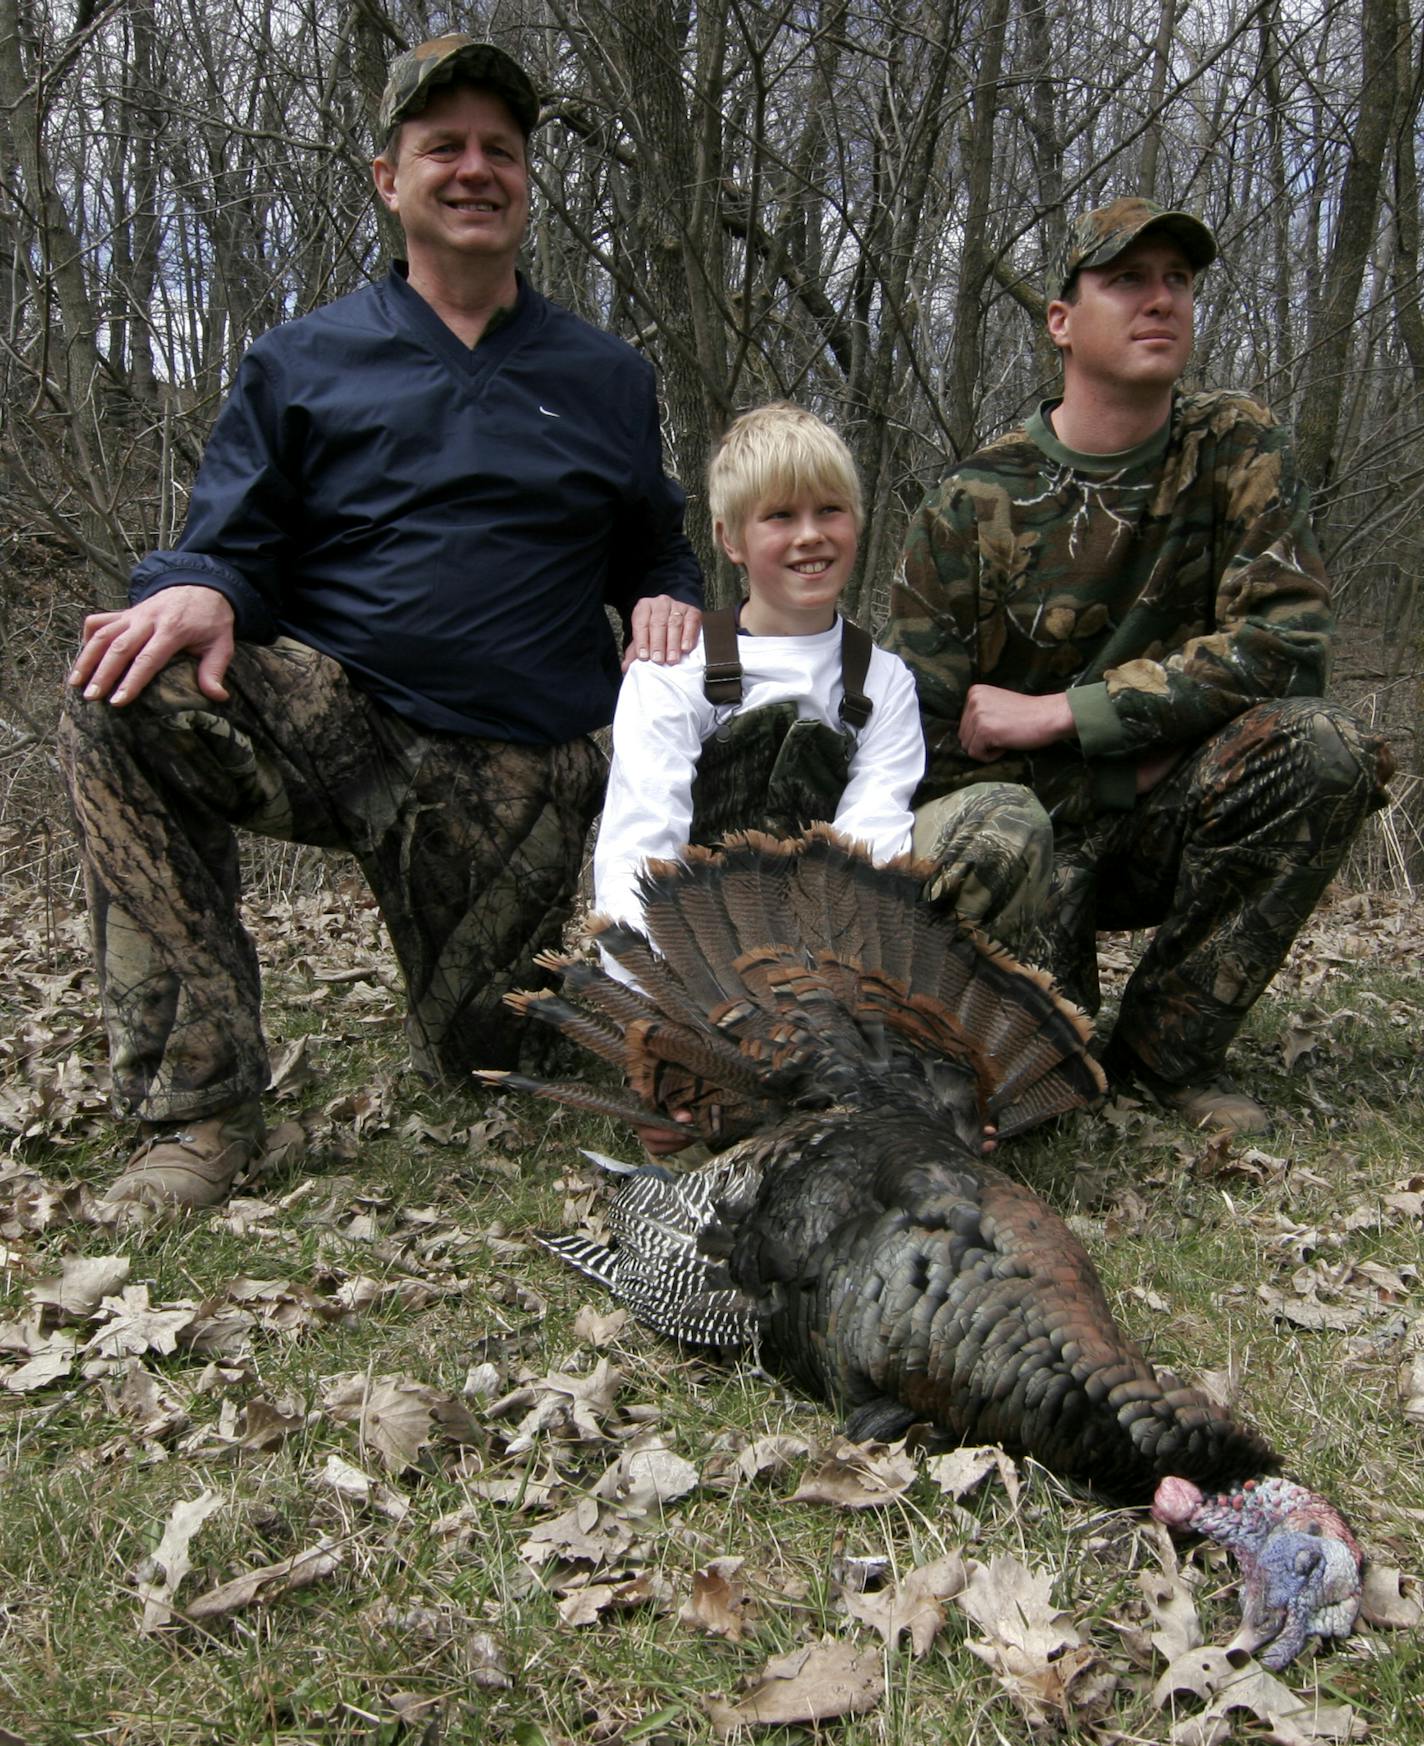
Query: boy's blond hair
pixel 778 450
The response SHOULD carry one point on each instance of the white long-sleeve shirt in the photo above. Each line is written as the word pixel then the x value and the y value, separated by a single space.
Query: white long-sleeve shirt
pixel 663 718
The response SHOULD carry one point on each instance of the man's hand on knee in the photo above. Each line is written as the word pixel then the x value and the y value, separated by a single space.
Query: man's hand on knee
pixel 122 651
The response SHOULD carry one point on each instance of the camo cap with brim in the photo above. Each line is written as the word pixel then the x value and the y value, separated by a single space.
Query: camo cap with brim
pixel 456 59
pixel 1100 236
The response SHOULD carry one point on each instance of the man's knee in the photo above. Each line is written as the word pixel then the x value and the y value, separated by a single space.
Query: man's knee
pixel 1300 757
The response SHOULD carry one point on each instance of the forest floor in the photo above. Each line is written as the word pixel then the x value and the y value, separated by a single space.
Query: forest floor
pixel 353 1459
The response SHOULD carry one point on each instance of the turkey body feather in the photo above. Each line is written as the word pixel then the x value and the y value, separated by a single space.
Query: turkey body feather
pixel 854 1044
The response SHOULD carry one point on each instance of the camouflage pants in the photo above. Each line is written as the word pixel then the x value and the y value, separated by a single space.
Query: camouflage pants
pixel 1226 857
pixel 993 848
pixel 472 848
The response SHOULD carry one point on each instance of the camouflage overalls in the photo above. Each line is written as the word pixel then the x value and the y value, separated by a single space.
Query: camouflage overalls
pixel 765 769
pixel 472 847
pixel 1176 594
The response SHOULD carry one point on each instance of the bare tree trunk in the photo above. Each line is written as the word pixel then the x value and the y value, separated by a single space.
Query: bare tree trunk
pixel 1152 139
pixel 976 262
pixel 1323 385
pixel 1409 309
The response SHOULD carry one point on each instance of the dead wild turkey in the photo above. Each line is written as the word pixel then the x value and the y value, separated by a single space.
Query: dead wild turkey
pixel 857 1240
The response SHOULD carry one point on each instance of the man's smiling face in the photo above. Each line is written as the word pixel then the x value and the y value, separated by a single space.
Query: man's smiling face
pixel 460 181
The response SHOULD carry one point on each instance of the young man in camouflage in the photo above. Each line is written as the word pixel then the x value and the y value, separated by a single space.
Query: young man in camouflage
pixel 1120 609
pixel 384 631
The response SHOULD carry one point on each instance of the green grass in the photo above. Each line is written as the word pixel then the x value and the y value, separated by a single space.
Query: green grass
pixel 395 1645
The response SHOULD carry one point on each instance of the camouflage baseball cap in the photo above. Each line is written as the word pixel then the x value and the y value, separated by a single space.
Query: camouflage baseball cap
pixel 1100 236
pixel 456 59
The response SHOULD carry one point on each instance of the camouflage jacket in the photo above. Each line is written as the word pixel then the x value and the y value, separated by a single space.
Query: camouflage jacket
pixel 1165 589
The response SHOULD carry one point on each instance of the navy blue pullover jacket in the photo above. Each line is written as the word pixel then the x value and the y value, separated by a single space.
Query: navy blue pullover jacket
pixel 446 522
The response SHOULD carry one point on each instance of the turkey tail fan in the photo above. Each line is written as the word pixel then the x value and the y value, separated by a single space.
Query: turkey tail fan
pixel 685 912
pixel 577 1095
pixel 786 975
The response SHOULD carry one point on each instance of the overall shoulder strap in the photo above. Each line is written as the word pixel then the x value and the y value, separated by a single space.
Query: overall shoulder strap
pixel 722 682
pixel 855 665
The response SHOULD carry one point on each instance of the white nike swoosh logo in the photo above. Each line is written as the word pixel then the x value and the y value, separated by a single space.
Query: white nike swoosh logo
pixel 548 414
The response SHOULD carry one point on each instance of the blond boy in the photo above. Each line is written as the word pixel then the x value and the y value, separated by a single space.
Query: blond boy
pixel 778 746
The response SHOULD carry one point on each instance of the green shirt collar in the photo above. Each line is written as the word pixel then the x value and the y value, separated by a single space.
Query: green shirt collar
pixel 1145 454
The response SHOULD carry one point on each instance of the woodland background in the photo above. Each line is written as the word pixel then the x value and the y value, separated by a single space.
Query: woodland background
pixel 351 1461
pixel 850 204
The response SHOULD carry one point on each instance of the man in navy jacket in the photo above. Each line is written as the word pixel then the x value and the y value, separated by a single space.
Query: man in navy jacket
pixel 383 630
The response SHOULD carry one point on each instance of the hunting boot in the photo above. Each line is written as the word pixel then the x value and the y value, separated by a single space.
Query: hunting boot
pixel 1212 1103
pixel 190 1164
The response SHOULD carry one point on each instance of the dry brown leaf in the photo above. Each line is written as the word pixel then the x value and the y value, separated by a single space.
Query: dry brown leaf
pixel 642 1481
pixel 397 1416
pixel 350 1482
pixel 485 1662
pixel 170 1562
pixel 589 1533
pixel 1411 1388
pixel 51 1357
pixel 583 1605
pixel 737 1461
pixel 961 1470
pixel 718 1601
pixel 858 1476
pixel 561 1406
pixel 1307 1312
pixel 913 1605
pixel 810 1685
pixel 1174 1613
pixel 1227 1680
pixel 1033 1650
pixel 267 1584
pixel 135 1327
pixel 292 1069
pixel 596 1327
pixel 1385 1604
pixel 155 1411
pixel 81 1285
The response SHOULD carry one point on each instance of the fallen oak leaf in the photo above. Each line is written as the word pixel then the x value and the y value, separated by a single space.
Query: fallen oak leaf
pixel 80 1286
pixel 1227 1680
pixel 912 1605
pixel 170 1562
pixel 1384 1604
pixel 134 1327
pixel 1306 1312
pixel 813 1684
pixel 1033 1650
pixel 397 1416
pixel 858 1476
pixel 642 1481
pixel 718 1601
pixel 584 1605
pixel 1174 1613
pixel 961 1470
pixel 269 1583
pixel 597 1328
pixel 350 1482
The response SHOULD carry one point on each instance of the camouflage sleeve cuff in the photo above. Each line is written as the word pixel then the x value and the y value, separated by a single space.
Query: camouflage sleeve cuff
pixel 1100 733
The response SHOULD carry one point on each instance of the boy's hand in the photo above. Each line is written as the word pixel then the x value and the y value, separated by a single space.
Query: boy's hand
pixel 664 630
pixel 659 1143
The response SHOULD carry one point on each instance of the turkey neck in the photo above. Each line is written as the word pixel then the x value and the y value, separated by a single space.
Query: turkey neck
pixel 908 1283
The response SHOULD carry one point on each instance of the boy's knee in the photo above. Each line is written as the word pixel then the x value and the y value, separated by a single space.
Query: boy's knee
pixel 991 846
